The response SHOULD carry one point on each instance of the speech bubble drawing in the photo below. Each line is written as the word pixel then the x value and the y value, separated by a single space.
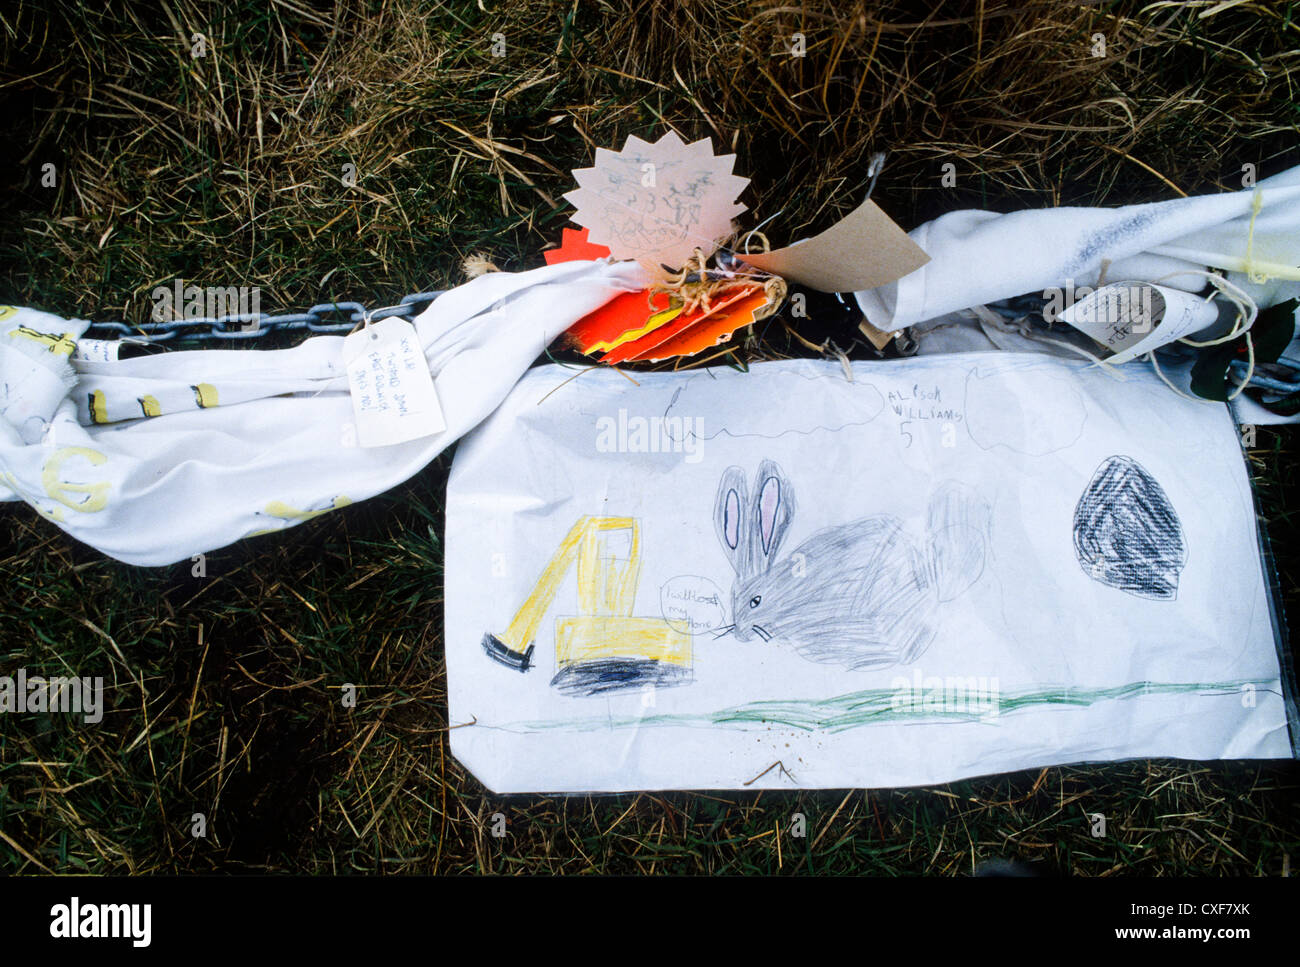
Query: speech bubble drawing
pixel 692 604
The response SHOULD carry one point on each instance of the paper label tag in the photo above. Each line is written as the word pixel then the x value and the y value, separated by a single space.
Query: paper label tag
pixel 863 250
pixel 97 350
pixel 392 390
pixel 1133 318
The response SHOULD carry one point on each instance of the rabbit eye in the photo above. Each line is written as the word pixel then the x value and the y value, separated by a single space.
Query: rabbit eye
pixel 755 601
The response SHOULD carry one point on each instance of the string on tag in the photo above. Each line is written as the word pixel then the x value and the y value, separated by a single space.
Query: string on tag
pixel 1256 204
pixel 364 324
pixel 1247 313
pixel 697 286
pixel 1247 308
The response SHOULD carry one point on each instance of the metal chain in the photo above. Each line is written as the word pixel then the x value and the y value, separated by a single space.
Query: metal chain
pixel 346 315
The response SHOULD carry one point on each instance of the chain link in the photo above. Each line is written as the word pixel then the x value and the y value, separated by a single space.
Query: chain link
pixel 330 317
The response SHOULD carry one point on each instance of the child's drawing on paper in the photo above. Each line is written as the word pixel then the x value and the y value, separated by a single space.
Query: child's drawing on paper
pixel 604 648
pixel 864 606
pixel 861 594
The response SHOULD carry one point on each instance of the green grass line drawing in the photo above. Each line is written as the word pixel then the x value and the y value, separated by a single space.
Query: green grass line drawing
pixel 852 710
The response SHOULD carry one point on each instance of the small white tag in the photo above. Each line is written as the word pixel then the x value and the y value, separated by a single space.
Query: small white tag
pixel 1133 318
pixel 97 350
pixel 392 391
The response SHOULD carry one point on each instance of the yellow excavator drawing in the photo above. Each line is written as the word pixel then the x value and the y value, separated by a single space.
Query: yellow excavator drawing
pixel 603 648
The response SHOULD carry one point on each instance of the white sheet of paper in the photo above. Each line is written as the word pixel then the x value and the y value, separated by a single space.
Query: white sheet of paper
pixel 951 477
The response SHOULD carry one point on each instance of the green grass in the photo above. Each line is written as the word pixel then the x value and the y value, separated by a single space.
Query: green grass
pixel 225 690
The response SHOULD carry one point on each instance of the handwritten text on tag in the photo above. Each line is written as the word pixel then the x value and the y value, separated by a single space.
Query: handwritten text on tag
pixel 392 391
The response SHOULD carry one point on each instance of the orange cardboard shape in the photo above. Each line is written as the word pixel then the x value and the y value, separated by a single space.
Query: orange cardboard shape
pixel 625 317
pixel 574 247
pixel 725 316
pixel 714 329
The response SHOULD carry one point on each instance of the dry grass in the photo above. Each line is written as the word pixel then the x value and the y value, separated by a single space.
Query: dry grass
pixel 228 169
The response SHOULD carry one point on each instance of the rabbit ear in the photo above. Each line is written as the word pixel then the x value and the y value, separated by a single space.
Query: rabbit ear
pixel 729 511
pixel 773 511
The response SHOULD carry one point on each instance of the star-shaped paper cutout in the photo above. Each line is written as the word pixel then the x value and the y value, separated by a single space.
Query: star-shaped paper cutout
pixel 657 203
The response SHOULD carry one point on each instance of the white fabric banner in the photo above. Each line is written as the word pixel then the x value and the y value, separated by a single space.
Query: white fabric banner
pixel 248 441
pixel 978 257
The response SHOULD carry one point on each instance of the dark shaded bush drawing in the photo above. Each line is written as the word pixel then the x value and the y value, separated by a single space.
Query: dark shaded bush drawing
pixel 1126 533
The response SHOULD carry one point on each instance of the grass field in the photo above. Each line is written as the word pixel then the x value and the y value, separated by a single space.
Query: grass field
pixel 226 169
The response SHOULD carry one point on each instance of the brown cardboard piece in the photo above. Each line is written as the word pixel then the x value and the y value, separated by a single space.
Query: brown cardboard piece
pixel 879 338
pixel 863 250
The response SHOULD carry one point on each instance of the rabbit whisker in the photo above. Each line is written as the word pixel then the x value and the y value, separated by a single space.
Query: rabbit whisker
pixel 762 633
pixel 724 631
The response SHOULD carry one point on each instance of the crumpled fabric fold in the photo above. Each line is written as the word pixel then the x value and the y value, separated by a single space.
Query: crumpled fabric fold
pixel 981 257
pixel 156 459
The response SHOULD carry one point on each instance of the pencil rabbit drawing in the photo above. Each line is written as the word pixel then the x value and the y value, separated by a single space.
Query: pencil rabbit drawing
pixel 863 594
